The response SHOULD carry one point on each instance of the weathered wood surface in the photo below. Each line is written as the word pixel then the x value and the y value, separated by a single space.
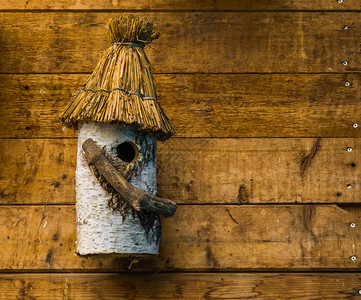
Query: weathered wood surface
pixel 354 209
pixel 185 286
pixel 206 42
pixel 137 198
pixel 243 171
pixel 179 5
pixel 44 237
pixel 202 105
pixel 197 238
pixel 260 170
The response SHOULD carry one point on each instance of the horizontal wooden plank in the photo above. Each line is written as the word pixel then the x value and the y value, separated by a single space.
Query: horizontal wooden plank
pixel 188 286
pixel 202 105
pixel 206 42
pixel 260 170
pixel 354 209
pixel 37 171
pixel 264 237
pixel 196 238
pixel 194 171
pixel 251 5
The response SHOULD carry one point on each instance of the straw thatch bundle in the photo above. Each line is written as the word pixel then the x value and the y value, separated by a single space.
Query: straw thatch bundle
pixel 121 88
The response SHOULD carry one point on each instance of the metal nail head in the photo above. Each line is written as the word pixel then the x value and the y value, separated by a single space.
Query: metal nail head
pixel 359 291
pixel 345 62
pixel 353 258
pixel 340 1
pixel 355 125
pixel 349 149
pixel 353 225
pixel 345 27
pixel 347 83
pixel 349 186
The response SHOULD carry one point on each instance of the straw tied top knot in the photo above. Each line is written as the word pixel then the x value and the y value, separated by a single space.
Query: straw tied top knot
pixel 121 88
pixel 131 29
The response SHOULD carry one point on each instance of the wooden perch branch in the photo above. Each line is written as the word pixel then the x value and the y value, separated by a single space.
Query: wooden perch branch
pixel 136 197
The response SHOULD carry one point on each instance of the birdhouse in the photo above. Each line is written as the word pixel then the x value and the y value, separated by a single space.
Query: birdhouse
pixel 119 121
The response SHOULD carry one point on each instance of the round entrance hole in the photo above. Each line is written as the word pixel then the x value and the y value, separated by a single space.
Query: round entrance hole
pixel 127 152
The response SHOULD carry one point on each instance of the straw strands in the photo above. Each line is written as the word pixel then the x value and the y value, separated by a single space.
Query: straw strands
pixel 131 29
pixel 121 88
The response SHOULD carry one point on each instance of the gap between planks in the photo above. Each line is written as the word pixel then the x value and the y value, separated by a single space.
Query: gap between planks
pixel 189 137
pixel 194 73
pixel 340 205
pixel 88 272
pixel 130 11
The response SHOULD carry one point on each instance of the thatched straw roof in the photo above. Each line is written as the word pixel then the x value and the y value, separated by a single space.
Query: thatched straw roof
pixel 121 88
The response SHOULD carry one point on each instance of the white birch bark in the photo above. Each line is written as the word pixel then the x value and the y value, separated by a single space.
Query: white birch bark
pixel 100 229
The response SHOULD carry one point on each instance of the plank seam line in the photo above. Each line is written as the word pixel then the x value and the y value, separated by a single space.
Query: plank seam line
pixel 79 272
pixel 62 272
pixel 190 137
pixel 198 73
pixel 339 204
pixel 176 11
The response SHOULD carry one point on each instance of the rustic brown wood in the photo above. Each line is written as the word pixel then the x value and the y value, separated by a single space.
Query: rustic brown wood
pixel 134 196
pixel 186 286
pixel 155 5
pixel 261 236
pixel 197 238
pixel 202 105
pixel 308 159
pixel 47 235
pixel 31 170
pixel 259 171
pixel 207 42
pixel 354 209
pixel 243 171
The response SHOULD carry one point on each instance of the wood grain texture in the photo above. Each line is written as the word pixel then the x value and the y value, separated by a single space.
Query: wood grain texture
pixel 354 209
pixel 210 64
pixel 136 197
pixel 31 170
pixel 184 286
pixel 196 238
pixel 202 105
pixel 206 42
pixel 155 5
pixel 242 171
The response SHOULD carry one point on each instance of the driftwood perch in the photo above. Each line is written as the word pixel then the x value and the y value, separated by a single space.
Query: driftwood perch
pixel 134 196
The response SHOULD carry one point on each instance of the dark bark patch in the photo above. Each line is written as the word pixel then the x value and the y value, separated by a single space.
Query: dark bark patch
pixel 232 218
pixel 49 256
pixel 307 160
pixel 243 195
pixel 211 259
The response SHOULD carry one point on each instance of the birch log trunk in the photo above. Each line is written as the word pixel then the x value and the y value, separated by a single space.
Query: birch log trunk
pixel 135 197
pixel 100 229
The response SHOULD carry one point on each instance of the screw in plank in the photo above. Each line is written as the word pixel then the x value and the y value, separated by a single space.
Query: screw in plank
pixel 353 225
pixel 347 83
pixel 353 258
pixel 355 125
pixel 345 62
pixel 340 1
pixel 359 291
pixel 345 27
pixel 349 186
pixel 349 149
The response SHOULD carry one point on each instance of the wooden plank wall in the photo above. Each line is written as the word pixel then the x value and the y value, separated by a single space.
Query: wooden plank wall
pixel 266 167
